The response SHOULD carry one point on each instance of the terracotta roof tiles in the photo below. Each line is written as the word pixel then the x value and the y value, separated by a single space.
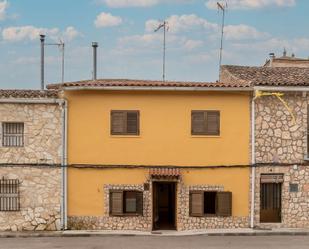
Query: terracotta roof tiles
pixel 267 76
pixel 28 93
pixel 140 83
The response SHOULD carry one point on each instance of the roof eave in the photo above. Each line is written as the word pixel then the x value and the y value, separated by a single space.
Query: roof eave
pixel 154 88
pixel 282 88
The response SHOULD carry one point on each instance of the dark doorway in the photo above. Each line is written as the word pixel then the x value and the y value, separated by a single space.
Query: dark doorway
pixel 270 203
pixel 164 205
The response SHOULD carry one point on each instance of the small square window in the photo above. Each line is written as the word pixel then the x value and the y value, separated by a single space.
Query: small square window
pixel 124 122
pixel 293 187
pixel 13 134
pixel 205 123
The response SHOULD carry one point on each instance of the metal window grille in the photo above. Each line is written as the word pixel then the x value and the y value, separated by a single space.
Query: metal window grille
pixel 13 134
pixel 9 195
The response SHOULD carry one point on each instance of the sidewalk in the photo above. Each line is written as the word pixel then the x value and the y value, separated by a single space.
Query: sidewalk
pixel 208 232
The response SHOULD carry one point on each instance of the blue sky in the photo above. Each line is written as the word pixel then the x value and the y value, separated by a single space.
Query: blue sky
pixel 128 47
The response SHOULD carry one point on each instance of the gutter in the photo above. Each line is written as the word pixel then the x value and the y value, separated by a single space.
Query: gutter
pixel 252 162
pixel 155 88
pixel 64 167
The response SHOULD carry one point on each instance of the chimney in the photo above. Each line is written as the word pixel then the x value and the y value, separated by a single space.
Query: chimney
pixel 272 57
pixel 94 47
pixel 42 39
pixel 293 55
pixel 284 52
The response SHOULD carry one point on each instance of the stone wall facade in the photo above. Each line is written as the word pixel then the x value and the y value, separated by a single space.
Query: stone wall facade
pixel 40 191
pixel 282 143
pixel 35 165
pixel 295 205
pixel 42 133
pixel 277 138
pixel 144 223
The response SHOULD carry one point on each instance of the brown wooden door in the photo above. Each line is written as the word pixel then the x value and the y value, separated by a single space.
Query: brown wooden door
pixel 270 210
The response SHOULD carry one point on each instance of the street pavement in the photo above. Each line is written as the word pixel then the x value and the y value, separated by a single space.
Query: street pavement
pixel 158 242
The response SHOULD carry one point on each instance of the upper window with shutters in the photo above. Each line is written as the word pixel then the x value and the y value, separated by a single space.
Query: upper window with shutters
pixel 205 123
pixel 12 134
pixel 124 122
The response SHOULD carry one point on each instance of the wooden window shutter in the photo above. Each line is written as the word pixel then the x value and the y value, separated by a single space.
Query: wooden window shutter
pixel 133 122
pixel 118 122
pixel 197 203
pixel 213 123
pixel 139 202
pixel 224 204
pixel 116 202
pixel 198 122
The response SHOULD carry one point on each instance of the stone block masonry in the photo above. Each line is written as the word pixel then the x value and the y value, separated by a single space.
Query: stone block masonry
pixel 40 191
pixel 295 205
pixel 42 133
pixel 280 140
pixel 40 185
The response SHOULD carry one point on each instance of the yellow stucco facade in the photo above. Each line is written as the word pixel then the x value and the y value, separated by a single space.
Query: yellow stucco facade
pixel 165 140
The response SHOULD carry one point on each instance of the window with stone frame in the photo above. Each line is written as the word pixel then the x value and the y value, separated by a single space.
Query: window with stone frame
pixel 125 202
pixel 12 134
pixel 210 203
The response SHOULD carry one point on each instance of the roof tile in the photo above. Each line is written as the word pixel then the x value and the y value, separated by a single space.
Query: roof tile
pixel 266 76
pixel 28 93
pixel 141 83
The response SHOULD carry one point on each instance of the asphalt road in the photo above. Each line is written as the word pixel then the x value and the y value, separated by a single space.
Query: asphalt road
pixel 146 242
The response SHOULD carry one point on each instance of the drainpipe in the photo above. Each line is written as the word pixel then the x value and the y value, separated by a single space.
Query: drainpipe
pixel 64 167
pixel 252 161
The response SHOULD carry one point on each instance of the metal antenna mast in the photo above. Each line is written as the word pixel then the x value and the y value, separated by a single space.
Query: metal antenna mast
pixel 61 47
pixel 163 25
pixel 221 7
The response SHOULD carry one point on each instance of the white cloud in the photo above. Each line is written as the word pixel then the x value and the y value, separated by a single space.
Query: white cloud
pixel 193 44
pixel 22 33
pixel 140 3
pixel 182 23
pixel 35 60
pixel 107 20
pixel 251 4
pixel 3 7
pixel 71 33
pixel 243 32
pixel 130 3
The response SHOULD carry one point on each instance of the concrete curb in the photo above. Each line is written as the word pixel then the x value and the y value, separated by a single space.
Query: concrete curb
pixel 32 234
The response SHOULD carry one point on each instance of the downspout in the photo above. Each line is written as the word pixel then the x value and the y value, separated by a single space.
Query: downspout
pixel 64 167
pixel 66 163
pixel 252 161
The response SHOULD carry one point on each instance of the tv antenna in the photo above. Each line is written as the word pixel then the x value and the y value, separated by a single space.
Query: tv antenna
pixel 223 8
pixel 165 27
pixel 61 48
